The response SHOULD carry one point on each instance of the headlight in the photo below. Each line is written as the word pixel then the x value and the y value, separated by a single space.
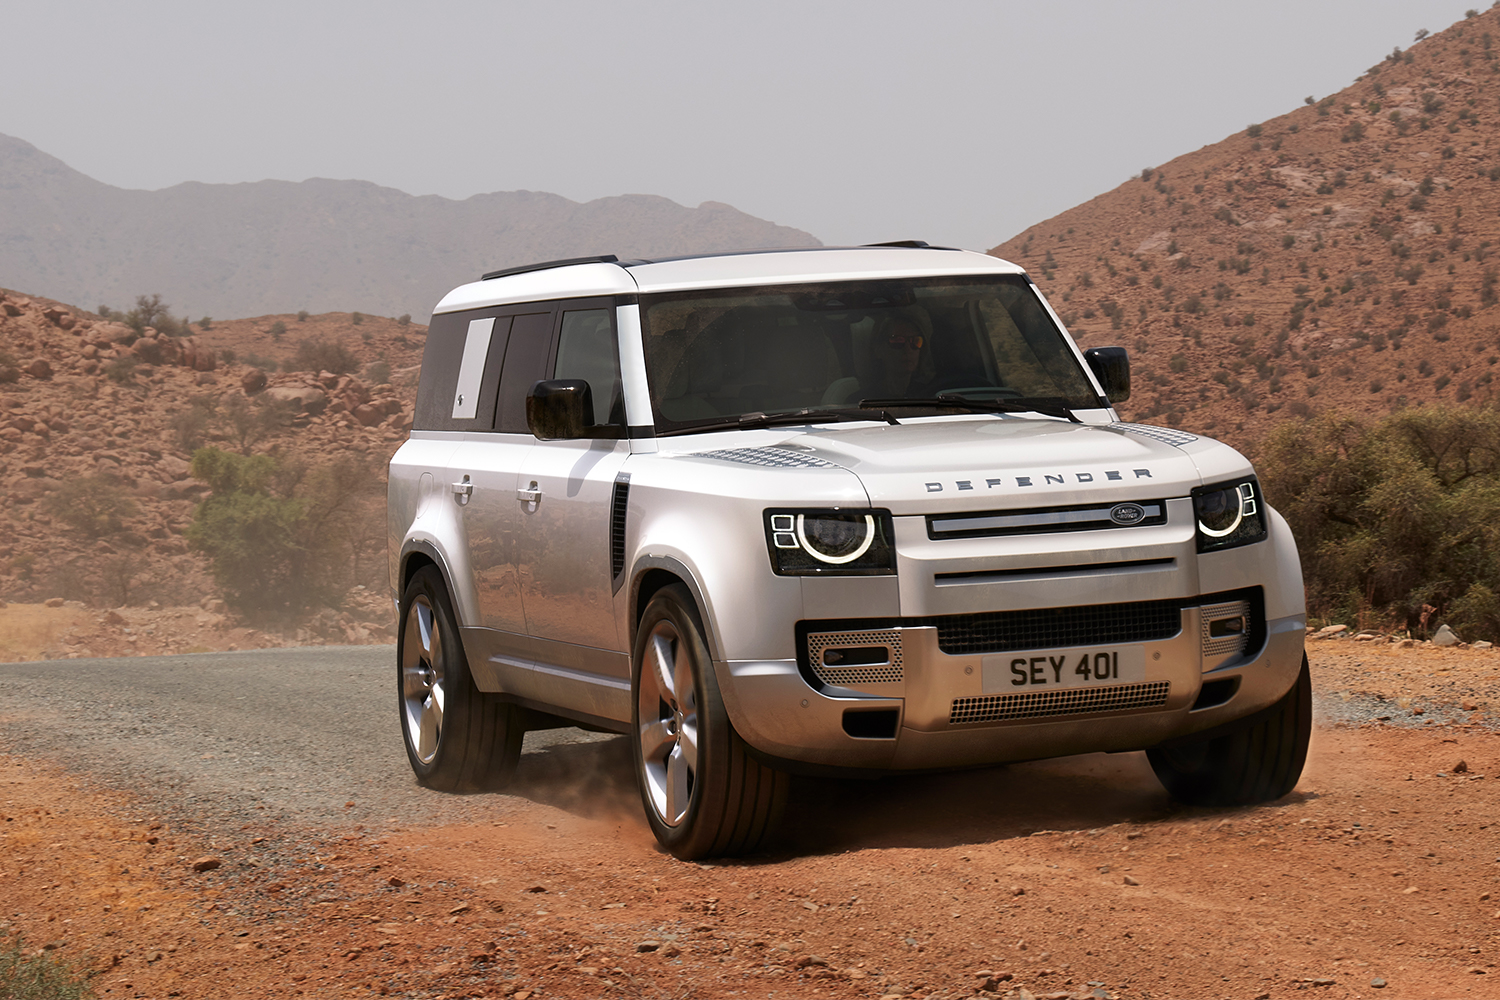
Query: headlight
pixel 1229 514
pixel 830 542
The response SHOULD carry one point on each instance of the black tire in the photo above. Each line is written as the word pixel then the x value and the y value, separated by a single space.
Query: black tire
pixel 458 738
pixel 705 796
pixel 1259 762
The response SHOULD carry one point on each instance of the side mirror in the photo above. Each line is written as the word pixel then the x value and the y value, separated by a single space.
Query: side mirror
pixel 1111 366
pixel 559 409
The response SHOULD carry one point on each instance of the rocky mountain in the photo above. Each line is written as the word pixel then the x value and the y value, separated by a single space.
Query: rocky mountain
pixel 1343 255
pixel 319 245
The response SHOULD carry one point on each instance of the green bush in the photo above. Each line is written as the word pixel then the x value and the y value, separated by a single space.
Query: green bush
pixel 302 315
pixel 1394 514
pixel 37 977
pixel 356 318
pixel 378 373
pixel 121 369
pixel 404 319
pixel 278 330
pixel 283 538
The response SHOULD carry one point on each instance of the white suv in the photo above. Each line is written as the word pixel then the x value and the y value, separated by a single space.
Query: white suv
pixel 857 510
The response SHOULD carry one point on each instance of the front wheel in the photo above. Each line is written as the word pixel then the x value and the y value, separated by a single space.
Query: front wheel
pixel 458 738
pixel 1259 762
pixel 703 792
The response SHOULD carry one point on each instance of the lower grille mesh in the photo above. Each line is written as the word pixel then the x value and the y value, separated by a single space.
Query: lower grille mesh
pixel 1055 628
pixel 1066 701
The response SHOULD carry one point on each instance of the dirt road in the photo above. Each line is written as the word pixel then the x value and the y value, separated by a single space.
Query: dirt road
pixel 326 872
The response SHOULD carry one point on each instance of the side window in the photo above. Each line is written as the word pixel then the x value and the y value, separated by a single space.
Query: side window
pixel 460 369
pixel 586 350
pixel 525 365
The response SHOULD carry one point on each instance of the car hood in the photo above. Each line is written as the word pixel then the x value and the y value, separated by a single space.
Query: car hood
pixel 977 463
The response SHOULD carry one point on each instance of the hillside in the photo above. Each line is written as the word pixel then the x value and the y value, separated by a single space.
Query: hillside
pixel 1346 254
pixel 319 245
pixel 97 432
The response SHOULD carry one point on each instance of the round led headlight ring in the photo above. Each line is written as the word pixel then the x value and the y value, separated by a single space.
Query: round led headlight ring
pixel 836 540
pixel 1221 506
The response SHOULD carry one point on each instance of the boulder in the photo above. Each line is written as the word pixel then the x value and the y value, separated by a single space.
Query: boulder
pixel 40 368
pixel 306 398
pixel 253 381
pixel 1444 637
pixel 368 414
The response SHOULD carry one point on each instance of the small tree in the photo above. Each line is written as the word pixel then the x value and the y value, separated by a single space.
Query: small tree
pixel 93 506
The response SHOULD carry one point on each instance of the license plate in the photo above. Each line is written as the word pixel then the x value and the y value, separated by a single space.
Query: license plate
pixel 1063 668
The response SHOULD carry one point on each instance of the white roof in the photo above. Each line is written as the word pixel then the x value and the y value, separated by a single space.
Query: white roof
pixel 721 271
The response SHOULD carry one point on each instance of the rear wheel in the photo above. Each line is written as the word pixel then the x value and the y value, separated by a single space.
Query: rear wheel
pixel 1257 763
pixel 458 738
pixel 703 792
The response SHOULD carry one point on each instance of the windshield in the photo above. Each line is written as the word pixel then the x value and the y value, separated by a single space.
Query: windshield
pixel 715 355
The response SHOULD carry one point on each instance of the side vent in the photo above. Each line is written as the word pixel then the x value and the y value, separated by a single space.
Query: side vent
pixel 619 506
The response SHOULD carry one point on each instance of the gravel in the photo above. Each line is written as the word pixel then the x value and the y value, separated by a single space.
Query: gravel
pixel 306 736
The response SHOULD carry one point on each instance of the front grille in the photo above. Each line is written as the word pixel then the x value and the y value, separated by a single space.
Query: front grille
pixel 1058 628
pixel 870 673
pixel 1066 701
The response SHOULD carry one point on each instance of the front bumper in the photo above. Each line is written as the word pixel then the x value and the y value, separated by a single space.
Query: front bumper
pixel 939 715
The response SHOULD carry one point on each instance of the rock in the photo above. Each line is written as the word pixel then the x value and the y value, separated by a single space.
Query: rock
pixel 368 414
pixel 39 369
pixel 1462 767
pixel 395 882
pixel 1378 983
pixel 114 618
pixel 253 381
pixel 1366 637
pixel 306 398
pixel 9 373
pixel 207 864
pixel 644 946
pixel 1330 631
pixel 1483 644
pixel 54 602
pixel 58 316
pixel 1130 881
pixel 1444 637
pixel 1404 643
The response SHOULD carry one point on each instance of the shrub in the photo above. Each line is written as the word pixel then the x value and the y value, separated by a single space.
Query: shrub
pixel 356 318
pixel 121 369
pixel 278 330
pixel 281 537
pixel 302 316
pixel 1254 131
pixel 93 506
pixel 1396 513
pixel 206 323
pixel 37 976
pixel 316 355
pixel 404 319
pixel 378 373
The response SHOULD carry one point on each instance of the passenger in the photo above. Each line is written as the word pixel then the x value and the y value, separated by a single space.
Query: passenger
pixel 898 353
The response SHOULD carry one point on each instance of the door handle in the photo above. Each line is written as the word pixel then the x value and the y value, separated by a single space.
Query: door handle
pixel 463 491
pixel 529 495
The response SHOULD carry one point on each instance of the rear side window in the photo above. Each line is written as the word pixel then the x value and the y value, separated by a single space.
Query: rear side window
pixel 461 371
pixel 586 350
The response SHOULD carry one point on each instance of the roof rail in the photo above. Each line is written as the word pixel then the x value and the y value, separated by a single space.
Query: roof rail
pixel 909 244
pixel 608 258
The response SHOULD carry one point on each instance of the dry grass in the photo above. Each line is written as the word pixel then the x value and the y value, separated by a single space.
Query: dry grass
pixel 28 629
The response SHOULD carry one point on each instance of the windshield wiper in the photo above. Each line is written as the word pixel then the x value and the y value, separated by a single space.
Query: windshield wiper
pixel 952 402
pixel 807 415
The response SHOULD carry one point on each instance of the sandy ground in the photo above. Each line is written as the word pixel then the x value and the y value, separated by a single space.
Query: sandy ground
pixel 1378 876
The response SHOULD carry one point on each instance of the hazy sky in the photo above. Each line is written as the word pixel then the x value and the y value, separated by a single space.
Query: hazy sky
pixel 957 122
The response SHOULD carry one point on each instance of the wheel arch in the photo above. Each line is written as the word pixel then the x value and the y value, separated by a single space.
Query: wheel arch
pixel 418 553
pixel 650 575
